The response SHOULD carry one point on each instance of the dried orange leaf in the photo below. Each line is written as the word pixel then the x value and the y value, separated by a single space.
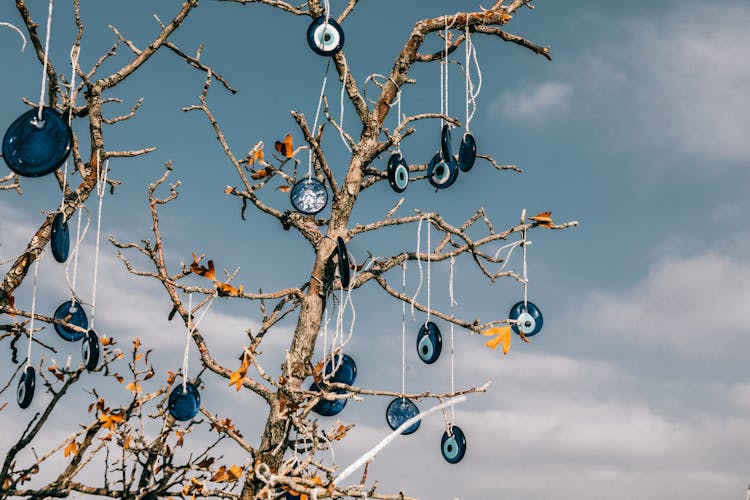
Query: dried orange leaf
pixel 543 219
pixel 227 290
pixel 201 270
pixel 235 379
pixel 284 188
pixel 262 173
pixel 54 371
pixel 256 156
pixel 126 443
pixel 71 449
pixel 133 387
pixel 285 147
pixel 2 406
pixel 501 335
pixel 109 420
pixel 107 341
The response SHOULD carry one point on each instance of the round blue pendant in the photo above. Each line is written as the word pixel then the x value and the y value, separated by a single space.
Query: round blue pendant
pixel 398 173
pixel 399 411
pixel 325 37
pixel 184 405
pixel 59 240
pixel 33 147
pixel 441 173
pixel 429 342
pixel 529 317
pixel 445 142
pixel 343 263
pixel 74 314
pixel 467 153
pixel 453 445
pixel 309 196
pixel 90 350
pixel 26 385
pixel 327 408
pixel 346 370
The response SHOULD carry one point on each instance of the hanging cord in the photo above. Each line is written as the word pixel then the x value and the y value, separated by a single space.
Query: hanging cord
pixel 398 118
pixel 73 62
pixel 403 330
pixel 101 184
pixel 17 30
pixel 452 304
pixel 525 275
pixel 511 246
pixel 429 276
pixel 46 60
pixel 76 249
pixel 315 123
pixel 33 312
pixel 341 110
pixel 445 72
pixel 419 264
pixel 327 11
pixel 192 325
pixel 472 93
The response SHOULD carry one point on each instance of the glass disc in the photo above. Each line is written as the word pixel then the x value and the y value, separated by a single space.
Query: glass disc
pixel 399 411
pixel 309 196
pixel 442 174
pixel 33 148
pixel 327 408
pixel 74 314
pixel 59 240
pixel 467 153
pixel 530 317
pixel 343 263
pixel 398 173
pixel 453 447
pixel 325 38
pixel 429 342
pixel 445 142
pixel 184 405
pixel 346 371
pixel 90 350
pixel 26 385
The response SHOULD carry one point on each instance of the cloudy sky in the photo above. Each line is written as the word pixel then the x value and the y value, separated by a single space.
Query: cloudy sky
pixel 637 387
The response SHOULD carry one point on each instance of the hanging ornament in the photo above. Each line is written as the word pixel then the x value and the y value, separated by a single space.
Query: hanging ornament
pixel 328 408
pixel 309 196
pixel 527 318
pixel 398 173
pixel 341 370
pixel 467 153
pixel 184 402
pixel 343 264
pixel 33 147
pixel 90 350
pixel 26 385
pixel 325 36
pixel 71 312
pixel 453 445
pixel 59 240
pixel 399 411
pixel 442 173
pixel 445 142
pixel 429 342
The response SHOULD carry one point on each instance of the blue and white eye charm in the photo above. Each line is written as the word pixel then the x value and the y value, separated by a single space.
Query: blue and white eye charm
pixel 325 36
pixel 429 343
pixel 453 445
pixel 467 153
pixel 328 408
pixel 73 313
pixel 184 404
pixel 34 147
pixel 26 385
pixel 343 263
pixel 445 142
pixel 90 350
pixel 441 173
pixel 59 240
pixel 399 411
pixel 398 173
pixel 309 196
pixel 528 318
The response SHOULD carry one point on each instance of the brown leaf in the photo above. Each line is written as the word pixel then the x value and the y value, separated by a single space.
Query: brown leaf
pixel 107 341
pixel 11 304
pixel 54 371
pixel 256 156
pixel 262 173
pixel 205 463
pixel 133 387
pixel 201 270
pixel 136 344
pixel 126 443
pixel 2 406
pixel 235 379
pixel 71 449
pixel 285 147
pixel 284 188
pixel 543 219
pixel 171 377
pixel 109 420
pixel 227 290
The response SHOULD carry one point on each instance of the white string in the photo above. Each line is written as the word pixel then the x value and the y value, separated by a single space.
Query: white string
pixel 192 326
pixel 445 62
pixel 398 117
pixel 341 111
pixel 525 276
pixel 452 303
pixel 315 123
pixel 474 93
pixel 327 9
pixel 46 57
pixel 101 183
pixel 76 248
pixel 442 93
pixel 429 276
pixel 33 311
pixel 403 329
pixel 73 62
pixel 20 33
pixel 419 264
pixel 326 319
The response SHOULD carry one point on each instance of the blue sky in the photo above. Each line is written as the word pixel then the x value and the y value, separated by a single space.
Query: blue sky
pixel 636 388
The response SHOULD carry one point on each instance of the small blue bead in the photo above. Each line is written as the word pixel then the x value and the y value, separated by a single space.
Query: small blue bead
pixel 184 405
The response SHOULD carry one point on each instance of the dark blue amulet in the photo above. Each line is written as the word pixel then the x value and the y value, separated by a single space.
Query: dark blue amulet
pixel 33 147
pixel 398 173
pixel 467 153
pixel 90 350
pixel 453 445
pixel 528 317
pixel 26 385
pixel 59 240
pixel 309 196
pixel 346 369
pixel 429 342
pixel 325 36
pixel 184 404
pixel 73 313
pixel 343 262
pixel 399 411
pixel 445 142
pixel 442 173
pixel 328 408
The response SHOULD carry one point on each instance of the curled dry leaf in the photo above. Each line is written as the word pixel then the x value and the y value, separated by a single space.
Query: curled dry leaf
pixel 262 173
pixel 197 268
pixel 71 449
pixel 284 188
pixel 256 156
pixel 235 379
pixel 543 219
pixel 285 147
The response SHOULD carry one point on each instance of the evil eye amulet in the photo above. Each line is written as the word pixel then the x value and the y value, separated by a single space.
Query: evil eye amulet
pixel 528 317
pixel 429 342
pixel 445 142
pixel 453 445
pixel 442 173
pixel 346 370
pixel 60 238
pixel 34 147
pixel 90 350
pixel 398 173
pixel 74 314
pixel 184 404
pixel 328 408
pixel 325 36
pixel 26 385
pixel 467 153
pixel 309 196
pixel 399 411
pixel 343 262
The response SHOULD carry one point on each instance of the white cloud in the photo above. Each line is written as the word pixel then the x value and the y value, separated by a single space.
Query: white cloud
pixel 534 104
